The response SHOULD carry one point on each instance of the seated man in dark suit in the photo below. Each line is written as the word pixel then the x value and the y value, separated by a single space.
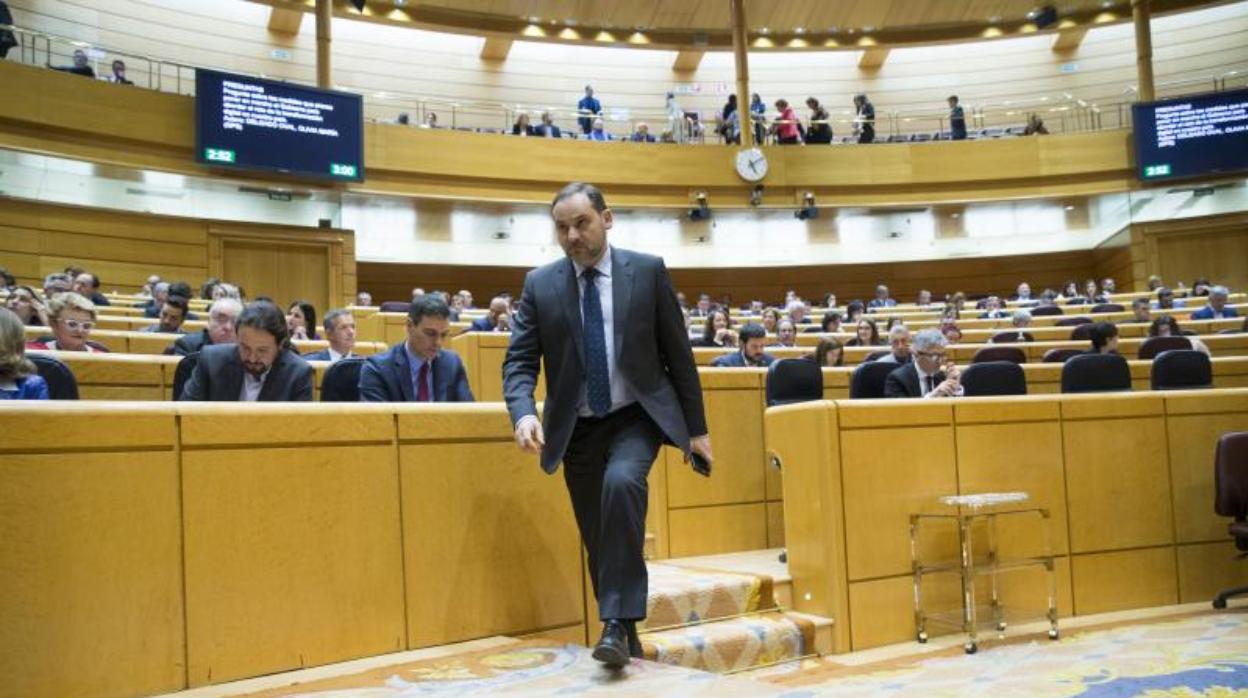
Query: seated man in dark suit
pixel 547 129
pixel 498 320
pixel 753 340
pixel 220 330
pixel 340 332
pixel 928 375
pixel 261 367
pixel 418 369
pixel 993 309
pixel 172 315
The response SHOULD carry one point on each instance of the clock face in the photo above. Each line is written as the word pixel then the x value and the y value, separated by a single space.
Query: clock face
pixel 751 164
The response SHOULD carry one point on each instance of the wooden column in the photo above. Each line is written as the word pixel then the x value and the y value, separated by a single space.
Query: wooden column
pixel 324 12
pixel 739 45
pixel 1143 49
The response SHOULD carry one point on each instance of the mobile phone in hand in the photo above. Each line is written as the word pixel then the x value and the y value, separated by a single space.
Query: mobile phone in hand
pixel 701 465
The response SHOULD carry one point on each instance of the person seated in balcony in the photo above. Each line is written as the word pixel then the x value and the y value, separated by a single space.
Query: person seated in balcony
pixel 25 304
pixel 119 73
pixel 1140 311
pixel 1217 308
pixel 72 318
pixel 547 129
pixel 864 119
pixel 820 130
pixel 642 134
pixel 730 122
pixel 786 125
pixel 522 127
pixel 598 132
pixel 7 39
pixel 18 377
pixel 588 109
pixel 1035 126
pixel 172 314
pixel 957 120
pixel 1167 326
pixel 80 67
pixel 431 120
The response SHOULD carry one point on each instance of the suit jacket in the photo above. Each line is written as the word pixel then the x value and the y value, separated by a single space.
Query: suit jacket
pixel 737 360
pixel 323 355
pixel 188 344
pixel 481 324
pixel 904 382
pixel 651 350
pixel 387 377
pixel 540 130
pixel 1206 313
pixel 218 377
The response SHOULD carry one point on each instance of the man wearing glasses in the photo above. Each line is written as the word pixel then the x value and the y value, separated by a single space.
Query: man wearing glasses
pixel 930 374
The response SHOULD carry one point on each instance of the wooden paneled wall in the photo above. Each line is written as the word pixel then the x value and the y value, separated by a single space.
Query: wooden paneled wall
pixel 1128 480
pixel 124 248
pixel 1185 249
pixel 1000 275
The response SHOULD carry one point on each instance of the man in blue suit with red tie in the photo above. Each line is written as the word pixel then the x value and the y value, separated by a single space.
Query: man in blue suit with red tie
pixel 418 369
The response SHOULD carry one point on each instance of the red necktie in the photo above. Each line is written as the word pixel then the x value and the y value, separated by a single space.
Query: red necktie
pixel 422 383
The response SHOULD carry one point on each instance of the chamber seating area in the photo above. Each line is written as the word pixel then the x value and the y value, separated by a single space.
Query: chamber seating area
pixel 275 276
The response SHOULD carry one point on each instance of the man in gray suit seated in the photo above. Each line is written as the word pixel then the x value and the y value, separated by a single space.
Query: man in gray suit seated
pixel 418 369
pixel 261 367
pixel 753 340
pixel 620 381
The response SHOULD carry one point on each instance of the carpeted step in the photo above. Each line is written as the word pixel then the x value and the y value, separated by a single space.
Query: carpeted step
pixel 734 644
pixel 680 595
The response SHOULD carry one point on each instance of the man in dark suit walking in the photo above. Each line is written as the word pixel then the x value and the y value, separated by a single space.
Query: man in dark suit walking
pixel 261 367
pixel 418 369
pixel 620 380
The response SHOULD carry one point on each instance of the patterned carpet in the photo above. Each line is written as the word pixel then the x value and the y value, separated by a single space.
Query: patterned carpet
pixel 1205 655
pixel 679 595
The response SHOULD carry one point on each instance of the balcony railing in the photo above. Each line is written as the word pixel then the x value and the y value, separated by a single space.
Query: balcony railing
pixel 1063 112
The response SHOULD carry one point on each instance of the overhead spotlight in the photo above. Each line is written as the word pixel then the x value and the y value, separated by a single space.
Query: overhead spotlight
pixel 756 195
pixel 809 210
pixel 358 5
pixel 700 212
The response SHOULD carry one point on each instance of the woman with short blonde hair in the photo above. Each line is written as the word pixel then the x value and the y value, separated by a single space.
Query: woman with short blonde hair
pixel 18 379
pixel 72 318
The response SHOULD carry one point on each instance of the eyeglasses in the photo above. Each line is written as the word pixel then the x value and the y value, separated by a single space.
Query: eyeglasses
pixel 79 324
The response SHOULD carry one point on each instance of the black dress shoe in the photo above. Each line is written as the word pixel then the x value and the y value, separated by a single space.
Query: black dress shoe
pixel 634 641
pixel 612 649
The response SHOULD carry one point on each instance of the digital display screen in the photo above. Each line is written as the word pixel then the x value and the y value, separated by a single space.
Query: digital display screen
pixel 1197 135
pixel 252 123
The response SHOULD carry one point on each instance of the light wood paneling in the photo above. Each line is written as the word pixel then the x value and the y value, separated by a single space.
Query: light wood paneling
pixel 293 554
pixel 718 529
pixel 90 554
pixel 1112 507
pixel 734 414
pixel 481 521
pixel 1186 249
pixel 1117 581
pixel 882 610
pixel 125 248
pixel 1207 569
pixel 1193 426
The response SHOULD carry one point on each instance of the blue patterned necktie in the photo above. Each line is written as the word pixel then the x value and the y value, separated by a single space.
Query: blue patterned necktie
pixel 597 377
